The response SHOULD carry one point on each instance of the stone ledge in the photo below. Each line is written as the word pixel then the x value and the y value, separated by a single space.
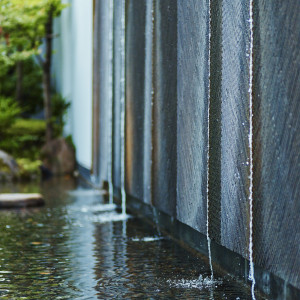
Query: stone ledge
pixel 20 200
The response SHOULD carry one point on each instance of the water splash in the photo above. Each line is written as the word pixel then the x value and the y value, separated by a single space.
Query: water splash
pixel 110 137
pixel 97 208
pixel 200 283
pixel 107 217
pixel 123 128
pixel 86 193
pixel 148 239
pixel 208 137
pixel 251 273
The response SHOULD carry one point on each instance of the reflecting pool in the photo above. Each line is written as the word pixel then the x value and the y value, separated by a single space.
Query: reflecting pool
pixel 69 249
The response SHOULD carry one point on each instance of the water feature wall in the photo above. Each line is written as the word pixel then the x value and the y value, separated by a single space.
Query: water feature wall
pixel 184 74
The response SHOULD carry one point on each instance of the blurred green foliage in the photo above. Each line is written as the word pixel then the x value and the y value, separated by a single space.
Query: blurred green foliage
pixel 9 110
pixel 22 32
pixel 29 169
pixel 32 91
pixel 22 27
pixel 59 110
pixel 24 138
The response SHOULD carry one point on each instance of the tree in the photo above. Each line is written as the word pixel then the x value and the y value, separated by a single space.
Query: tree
pixel 53 9
pixel 19 35
pixel 24 26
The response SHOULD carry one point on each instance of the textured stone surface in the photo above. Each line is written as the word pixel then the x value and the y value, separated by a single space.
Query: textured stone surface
pixel 215 126
pixel 96 92
pixel 105 89
pixel 148 107
pixel 192 126
pixel 277 138
pixel 176 126
pixel 165 106
pixel 58 157
pixel 135 91
pixel 235 126
pixel 118 91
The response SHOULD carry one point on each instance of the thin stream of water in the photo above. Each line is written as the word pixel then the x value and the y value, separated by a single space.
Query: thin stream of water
pixel 208 136
pixel 110 137
pixel 156 221
pixel 123 194
pixel 251 273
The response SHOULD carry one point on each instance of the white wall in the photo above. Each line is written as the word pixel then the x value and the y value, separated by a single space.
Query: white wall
pixel 72 72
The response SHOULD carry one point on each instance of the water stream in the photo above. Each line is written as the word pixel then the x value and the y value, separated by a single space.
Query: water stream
pixel 208 139
pixel 251 273
pixel 123 108
pixel 155 216
pixel 110 88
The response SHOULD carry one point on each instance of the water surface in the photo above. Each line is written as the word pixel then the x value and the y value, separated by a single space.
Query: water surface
pixel 70 250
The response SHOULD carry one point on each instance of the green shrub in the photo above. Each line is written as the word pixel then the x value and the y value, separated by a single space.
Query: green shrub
pixel 9 110
pixel 24 138
pixel 29 169
pixel 28 127
pixel 32 90
pixel 59 110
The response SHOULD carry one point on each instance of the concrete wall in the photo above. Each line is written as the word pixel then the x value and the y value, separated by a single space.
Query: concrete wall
pixel 72 72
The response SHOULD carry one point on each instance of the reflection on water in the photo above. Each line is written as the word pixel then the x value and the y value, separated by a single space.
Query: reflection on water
pixel 61 251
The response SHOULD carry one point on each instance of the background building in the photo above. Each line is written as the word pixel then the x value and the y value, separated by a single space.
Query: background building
pixel 72 72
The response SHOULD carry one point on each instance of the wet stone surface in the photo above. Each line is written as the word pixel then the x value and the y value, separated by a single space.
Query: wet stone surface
pixel 69 250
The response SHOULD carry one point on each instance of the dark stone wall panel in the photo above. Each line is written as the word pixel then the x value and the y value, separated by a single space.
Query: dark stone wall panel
pixel 118 76
pixel 165 106
pixel 193 19
pixel 214 164
pixel 178 131
pixel 277 138
pixel 235 126
pixel 135 92
pixel 104 69
pixel 148 109
pixel 96 91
